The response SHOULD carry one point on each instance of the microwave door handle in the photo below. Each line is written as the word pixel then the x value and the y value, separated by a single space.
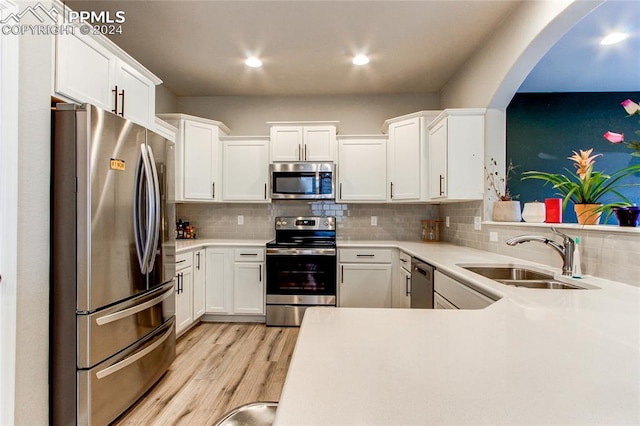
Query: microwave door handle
pixel 317 181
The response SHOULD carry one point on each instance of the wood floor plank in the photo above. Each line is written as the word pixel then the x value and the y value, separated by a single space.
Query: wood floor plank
pixel 219 366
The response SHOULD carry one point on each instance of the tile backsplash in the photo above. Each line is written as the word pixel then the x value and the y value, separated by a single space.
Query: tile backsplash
pixel 394 221
pixel 610 255
pixel 614 256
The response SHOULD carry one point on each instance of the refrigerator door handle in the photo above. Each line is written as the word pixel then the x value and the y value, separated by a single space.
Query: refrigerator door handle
pixel 133 310
pixel 133 358
pixel 137 213
pixel 156 210
pixel 148 176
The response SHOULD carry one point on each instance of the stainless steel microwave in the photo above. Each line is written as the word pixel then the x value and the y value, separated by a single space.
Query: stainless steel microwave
pixel 302 181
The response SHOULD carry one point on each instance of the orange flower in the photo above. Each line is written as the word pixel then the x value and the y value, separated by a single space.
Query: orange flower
pixel 583 162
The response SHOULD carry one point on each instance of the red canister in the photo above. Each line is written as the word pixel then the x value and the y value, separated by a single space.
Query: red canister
pixel 553 210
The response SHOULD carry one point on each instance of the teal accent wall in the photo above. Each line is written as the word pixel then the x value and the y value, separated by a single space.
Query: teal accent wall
pixel 544 128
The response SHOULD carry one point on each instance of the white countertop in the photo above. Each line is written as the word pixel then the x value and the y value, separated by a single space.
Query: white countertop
pixel 532 357
pixel 186 245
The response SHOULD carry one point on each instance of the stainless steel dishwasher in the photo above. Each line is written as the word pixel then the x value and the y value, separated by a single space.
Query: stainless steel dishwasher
pixel 421 284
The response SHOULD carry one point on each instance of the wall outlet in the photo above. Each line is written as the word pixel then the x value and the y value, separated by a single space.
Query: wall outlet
pixel 476 223
pixel 493 236
pixel 447 222
pixel 240 219
pixel 374 220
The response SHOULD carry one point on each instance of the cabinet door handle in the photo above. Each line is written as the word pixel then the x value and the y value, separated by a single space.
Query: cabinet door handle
pixel 407 285
pixel 122 106
pixel 305 152
pixel 392 190
pixel 341 274
pixel 181 282
pixel 213 190
pixel 341 190
pixel 299 152
pixel 260 273
pixel 198 261
pixel 441 185
pixel 265 191
pixel 115 100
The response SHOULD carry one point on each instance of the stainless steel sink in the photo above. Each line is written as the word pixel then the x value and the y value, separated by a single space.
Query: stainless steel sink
pixel 521 277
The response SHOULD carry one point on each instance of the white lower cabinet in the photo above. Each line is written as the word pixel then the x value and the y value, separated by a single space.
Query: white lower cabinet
pixel 452 294
pixel 365 278
pixel 219 282
pixel 235 281
pixel 184 292
pixel 199 282
pixel 401 286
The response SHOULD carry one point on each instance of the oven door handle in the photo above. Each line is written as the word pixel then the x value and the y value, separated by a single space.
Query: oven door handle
pixel 299 251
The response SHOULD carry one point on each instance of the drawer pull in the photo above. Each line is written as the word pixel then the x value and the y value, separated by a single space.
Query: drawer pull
pixel 248 254
pixel 181 261
pixel 365 255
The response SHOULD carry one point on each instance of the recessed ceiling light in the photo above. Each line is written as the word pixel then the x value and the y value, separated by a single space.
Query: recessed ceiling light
pixel 360 60
pixel 614 38
pixel 253 62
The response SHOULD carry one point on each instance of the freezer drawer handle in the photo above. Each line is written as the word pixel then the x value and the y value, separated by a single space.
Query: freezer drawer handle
pixel 133 310
pixel 133 358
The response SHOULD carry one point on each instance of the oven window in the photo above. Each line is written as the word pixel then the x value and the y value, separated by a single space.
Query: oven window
pixel 301 275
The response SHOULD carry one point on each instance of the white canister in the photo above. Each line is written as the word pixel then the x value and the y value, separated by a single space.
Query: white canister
pixel 533 212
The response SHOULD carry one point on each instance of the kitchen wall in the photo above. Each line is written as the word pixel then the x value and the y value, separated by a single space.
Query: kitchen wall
pixel 395 221
pixel 612 255
pixel 247 115
pixel 166 100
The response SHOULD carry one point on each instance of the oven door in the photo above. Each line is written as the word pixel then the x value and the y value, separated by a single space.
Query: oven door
pixel 298 276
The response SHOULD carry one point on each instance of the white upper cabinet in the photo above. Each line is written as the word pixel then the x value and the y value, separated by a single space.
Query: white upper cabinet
pixel 407 156
pixel 456 155
pixel 85 70
pixel 362 170
pixel 297 141
pixel 91 69
pixel 245 166
pixel 198 157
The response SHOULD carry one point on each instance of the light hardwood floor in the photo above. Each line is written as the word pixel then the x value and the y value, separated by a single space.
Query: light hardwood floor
pixel 219 366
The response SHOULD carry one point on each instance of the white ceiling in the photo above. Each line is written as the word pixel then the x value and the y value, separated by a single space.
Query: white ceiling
pixel 198 47
pixel 578 63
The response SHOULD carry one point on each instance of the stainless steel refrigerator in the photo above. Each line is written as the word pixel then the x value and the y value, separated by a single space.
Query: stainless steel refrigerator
pixel 112 321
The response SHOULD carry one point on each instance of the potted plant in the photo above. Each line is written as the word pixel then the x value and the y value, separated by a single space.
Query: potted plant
pixel 632 108
pixel 626 214
pixel 586 187
pixel 505 208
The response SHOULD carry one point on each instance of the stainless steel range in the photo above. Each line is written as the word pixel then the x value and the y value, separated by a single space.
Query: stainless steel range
pixel 301 268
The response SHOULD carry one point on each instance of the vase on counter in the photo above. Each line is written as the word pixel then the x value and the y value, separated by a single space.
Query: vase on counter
pixel 533 212
pixel 627 216
pixel 588 214
pixel 507 211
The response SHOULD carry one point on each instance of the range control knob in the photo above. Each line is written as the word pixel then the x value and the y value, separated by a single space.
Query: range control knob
pixel 278 223
pixel 326 223
pixel 284 222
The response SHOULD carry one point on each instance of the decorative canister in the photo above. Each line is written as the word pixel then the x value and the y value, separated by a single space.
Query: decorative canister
pixel 553 210
pixel 431 230
pixel 533 212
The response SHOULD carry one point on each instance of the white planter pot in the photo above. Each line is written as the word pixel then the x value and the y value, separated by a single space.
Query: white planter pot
pixel 507 211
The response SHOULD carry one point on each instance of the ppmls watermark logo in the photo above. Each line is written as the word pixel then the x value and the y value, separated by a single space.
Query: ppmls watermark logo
pixel 39 20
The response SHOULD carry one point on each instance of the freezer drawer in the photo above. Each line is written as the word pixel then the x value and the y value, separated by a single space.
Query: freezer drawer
pixel 107 332
pixel 108 389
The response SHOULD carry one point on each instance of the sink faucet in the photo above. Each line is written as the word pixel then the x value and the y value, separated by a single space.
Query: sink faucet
pixel 565 249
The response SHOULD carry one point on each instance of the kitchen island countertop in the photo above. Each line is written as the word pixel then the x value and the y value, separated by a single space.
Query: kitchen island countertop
pixel 532 357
